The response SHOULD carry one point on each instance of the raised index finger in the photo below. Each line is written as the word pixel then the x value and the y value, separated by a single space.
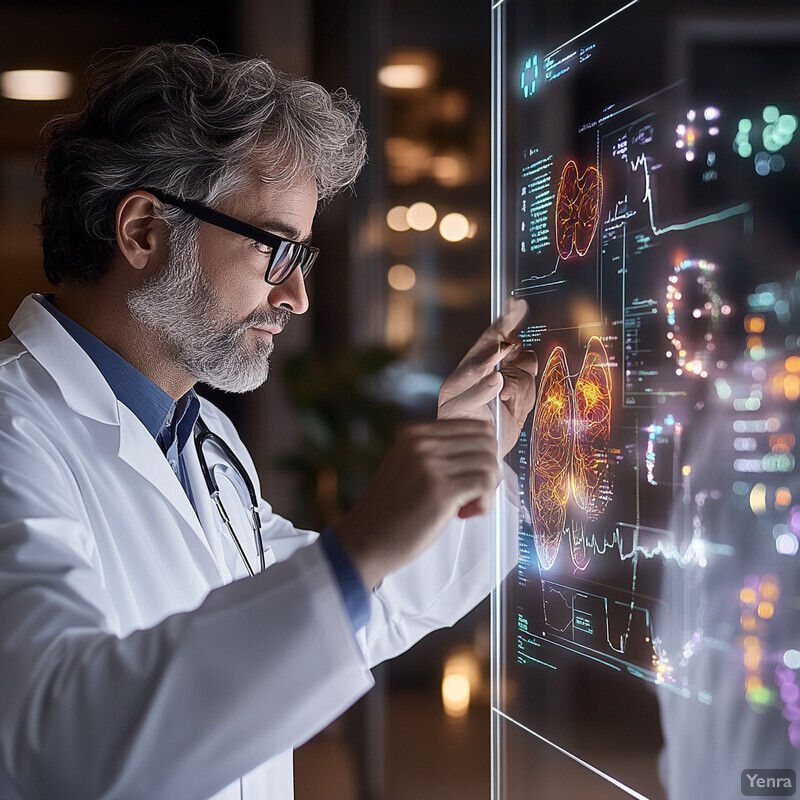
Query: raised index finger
pixel 513 314
pixel 490 348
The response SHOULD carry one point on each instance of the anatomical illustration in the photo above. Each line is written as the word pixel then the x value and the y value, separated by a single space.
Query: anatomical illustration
pixel 569 446
pixel 577 209
pixel 592 431
pixel 551 456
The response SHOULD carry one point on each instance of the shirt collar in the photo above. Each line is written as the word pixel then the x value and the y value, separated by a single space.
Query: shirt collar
pixel 155 409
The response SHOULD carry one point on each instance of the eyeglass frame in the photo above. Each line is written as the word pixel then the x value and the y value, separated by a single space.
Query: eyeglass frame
pixel 234 225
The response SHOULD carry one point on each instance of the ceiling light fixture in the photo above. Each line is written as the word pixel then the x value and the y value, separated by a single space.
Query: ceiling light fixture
pixel 404 76
pixel 35 84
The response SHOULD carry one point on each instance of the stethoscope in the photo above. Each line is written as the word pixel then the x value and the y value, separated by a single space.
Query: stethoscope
pixel 244 488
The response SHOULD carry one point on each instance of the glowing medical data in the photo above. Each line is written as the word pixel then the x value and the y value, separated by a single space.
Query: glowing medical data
pixel 647 191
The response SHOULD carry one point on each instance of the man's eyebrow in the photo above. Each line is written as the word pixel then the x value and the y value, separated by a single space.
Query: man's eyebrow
pixel 283 229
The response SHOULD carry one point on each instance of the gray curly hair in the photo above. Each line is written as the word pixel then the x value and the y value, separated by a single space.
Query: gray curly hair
pixel 191 123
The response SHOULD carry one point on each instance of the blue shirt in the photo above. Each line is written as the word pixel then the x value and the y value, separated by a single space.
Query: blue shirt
pixel 171 424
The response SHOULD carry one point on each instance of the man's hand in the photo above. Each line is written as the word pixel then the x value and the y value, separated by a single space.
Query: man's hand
pixel 432 473
pixel 469 391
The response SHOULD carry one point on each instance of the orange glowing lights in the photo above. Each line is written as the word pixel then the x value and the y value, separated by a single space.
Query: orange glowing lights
pixel 748 621
pixel 791 387
pixel 747 596
pixel 759 596
pixel 768 588
pixel 569 448
pixel 577 209
pixel 782 442
pixel 766 610
pixel 753 684
pixel 754 323
pixel 792 364
pixel 752 658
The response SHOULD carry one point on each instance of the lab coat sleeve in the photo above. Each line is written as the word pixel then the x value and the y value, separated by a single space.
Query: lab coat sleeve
pixel 178 710
pixel 447 580
pixel 436 589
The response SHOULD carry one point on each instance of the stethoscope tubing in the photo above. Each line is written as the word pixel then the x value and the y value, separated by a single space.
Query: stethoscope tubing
pixel 205 434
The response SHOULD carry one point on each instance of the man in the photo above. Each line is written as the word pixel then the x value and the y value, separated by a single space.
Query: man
pixel 137 658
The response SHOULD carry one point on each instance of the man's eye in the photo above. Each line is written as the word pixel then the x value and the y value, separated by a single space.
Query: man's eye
pixel 262 248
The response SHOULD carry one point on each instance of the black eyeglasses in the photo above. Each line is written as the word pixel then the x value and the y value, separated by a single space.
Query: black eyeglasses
pixel 284 255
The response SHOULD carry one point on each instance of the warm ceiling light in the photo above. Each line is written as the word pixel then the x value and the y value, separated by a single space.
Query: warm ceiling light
pixel 421 216
pixel 404 76
pixel 35 84
pixel 454 227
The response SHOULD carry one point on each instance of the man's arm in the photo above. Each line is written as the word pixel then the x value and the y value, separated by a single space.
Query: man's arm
pixel 448 468
pixel 176 710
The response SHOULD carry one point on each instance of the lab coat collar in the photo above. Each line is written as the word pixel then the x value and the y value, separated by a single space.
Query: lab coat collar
pixel 81 384
pixel 87 393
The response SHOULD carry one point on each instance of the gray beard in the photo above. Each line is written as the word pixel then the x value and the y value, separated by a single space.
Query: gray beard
pixel 179 305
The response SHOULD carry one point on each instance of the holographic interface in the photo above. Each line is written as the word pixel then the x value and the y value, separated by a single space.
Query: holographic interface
pixel 650 218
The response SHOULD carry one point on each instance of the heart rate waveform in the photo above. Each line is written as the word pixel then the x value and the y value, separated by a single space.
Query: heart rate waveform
pixel 570 446
pixel 577 209
pixel 630 542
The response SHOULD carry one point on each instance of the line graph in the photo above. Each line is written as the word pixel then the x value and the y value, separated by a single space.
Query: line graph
pixel 664 547
pixel 585 617
pixel 641 163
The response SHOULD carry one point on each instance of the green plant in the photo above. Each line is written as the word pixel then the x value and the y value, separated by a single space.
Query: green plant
pixel 346 428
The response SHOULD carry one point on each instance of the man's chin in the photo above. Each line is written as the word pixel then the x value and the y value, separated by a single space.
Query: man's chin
pixel 236 381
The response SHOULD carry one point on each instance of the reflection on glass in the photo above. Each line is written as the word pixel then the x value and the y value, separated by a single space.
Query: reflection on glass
pixel 646 164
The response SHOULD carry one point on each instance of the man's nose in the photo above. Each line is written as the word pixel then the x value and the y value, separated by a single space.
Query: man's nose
pixel 290 295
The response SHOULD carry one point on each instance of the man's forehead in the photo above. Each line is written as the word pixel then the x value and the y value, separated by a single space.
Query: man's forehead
pixel 261 187
pixel 287 207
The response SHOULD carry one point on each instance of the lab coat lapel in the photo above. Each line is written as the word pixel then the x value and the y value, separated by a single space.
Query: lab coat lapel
pixel 139 450
pixel 86 392
pixel 81 384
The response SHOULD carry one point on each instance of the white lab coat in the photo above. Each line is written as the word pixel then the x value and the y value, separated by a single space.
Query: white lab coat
pixel 133 663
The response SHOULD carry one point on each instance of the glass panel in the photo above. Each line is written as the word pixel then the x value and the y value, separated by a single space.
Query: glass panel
pixel 646 164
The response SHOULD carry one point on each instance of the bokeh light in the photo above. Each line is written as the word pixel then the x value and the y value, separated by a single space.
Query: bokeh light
pixel 454 227
pixel 421 216
pixel 792 659
pixel 401 277
pixel 404 76
pixel 396 218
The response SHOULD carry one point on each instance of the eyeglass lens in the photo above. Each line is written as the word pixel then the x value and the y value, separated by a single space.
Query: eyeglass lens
pixel 286 257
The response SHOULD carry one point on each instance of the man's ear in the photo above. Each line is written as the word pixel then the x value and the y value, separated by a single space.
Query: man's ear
pixel 140 236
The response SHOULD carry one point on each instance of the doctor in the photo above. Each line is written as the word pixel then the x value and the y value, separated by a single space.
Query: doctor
pixel 163 634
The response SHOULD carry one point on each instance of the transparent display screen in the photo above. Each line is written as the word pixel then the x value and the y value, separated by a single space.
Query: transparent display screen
pixel 646 198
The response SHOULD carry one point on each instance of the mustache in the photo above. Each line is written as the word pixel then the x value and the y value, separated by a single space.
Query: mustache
pixel 270 316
